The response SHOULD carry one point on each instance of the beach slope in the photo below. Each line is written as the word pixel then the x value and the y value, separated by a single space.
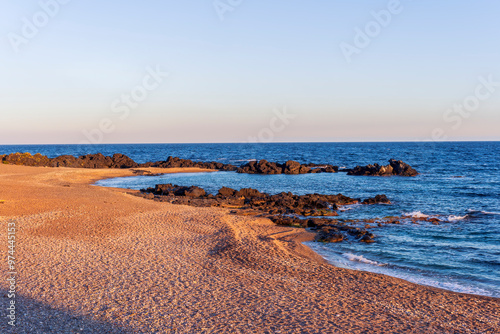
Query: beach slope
pixel 100 260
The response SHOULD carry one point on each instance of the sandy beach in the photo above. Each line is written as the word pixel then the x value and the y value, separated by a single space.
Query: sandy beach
pixel 100 260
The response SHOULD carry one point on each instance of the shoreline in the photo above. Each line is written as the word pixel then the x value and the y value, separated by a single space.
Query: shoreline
pixel 303 235
pixel 248 269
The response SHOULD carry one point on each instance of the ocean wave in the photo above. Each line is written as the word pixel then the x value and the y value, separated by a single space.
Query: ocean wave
pixel 348 207
pixel 362 259
pixel 477 213
pixel 416 214
pixel 453 218
pixel 490 213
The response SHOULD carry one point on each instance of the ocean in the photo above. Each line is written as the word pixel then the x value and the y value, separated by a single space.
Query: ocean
pixel 459 183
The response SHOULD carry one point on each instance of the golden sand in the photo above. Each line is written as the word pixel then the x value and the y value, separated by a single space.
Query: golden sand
pixel 98 260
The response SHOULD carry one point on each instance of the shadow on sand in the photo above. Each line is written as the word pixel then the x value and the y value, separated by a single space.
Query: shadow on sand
pixel 34 317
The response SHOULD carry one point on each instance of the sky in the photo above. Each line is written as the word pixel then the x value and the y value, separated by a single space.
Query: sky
pixel 75 71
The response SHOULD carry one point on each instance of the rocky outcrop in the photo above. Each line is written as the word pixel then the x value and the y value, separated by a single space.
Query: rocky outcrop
pixel 402 169
pixel 395 167
pixel 283 208
pixel 279 204
pixel 101 161
pixel 86 161
pixel 175 162
pixel 290 167
pixel 379 199
pixel 260 167
pixel 173 190
pixel 25 159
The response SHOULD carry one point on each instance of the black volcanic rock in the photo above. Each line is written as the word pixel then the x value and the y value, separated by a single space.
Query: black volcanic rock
pixel 290 167
pixel 260 167
pixel 226 192
pixel 377 199
pixel 283 203
pixel 249 193
pixel 284 208
pixel 25 159
pixel 329 234
pixel 402 169
pixel 395 167
pixel 122 161
pixel 175 162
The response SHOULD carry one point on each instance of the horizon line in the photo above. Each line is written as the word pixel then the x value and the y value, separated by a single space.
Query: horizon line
pixel 273 142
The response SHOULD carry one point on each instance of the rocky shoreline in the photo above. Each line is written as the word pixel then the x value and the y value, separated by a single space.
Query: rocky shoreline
pixel 283 209
pixel 290 167
pixel 98 260
pixel 312 211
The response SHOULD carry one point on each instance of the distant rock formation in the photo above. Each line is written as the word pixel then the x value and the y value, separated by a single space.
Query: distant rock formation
pixel 85 161
pixel 290 167
pixel 101 161
pixel 253 167
pixel 395 167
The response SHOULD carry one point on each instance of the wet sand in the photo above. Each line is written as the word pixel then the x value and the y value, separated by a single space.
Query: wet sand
pixel 100 260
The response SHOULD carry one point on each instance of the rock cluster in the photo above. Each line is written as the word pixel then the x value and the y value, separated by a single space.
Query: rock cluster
pixel 101 161
pixel 327 230
pixel 289 167
pixel 174 162
pixel 25 159
pixel 85 161
pixel 379 199
pixel 283 209
pixel 253 167
pixel 173 190
pixel 282 203
pixel 395 167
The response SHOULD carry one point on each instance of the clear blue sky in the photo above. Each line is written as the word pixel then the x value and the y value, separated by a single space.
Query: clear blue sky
pixel 227 77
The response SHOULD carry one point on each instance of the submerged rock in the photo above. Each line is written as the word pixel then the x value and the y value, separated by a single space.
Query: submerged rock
pixel 377 199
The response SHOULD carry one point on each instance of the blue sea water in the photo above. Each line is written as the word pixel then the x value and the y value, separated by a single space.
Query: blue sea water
pixel 459 182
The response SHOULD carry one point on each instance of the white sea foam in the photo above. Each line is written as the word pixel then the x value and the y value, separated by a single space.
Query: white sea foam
pixel 361 258
pixel 348 207
pixel 478 213
pixel 490 213
pixel 416 214
pixel 453 218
